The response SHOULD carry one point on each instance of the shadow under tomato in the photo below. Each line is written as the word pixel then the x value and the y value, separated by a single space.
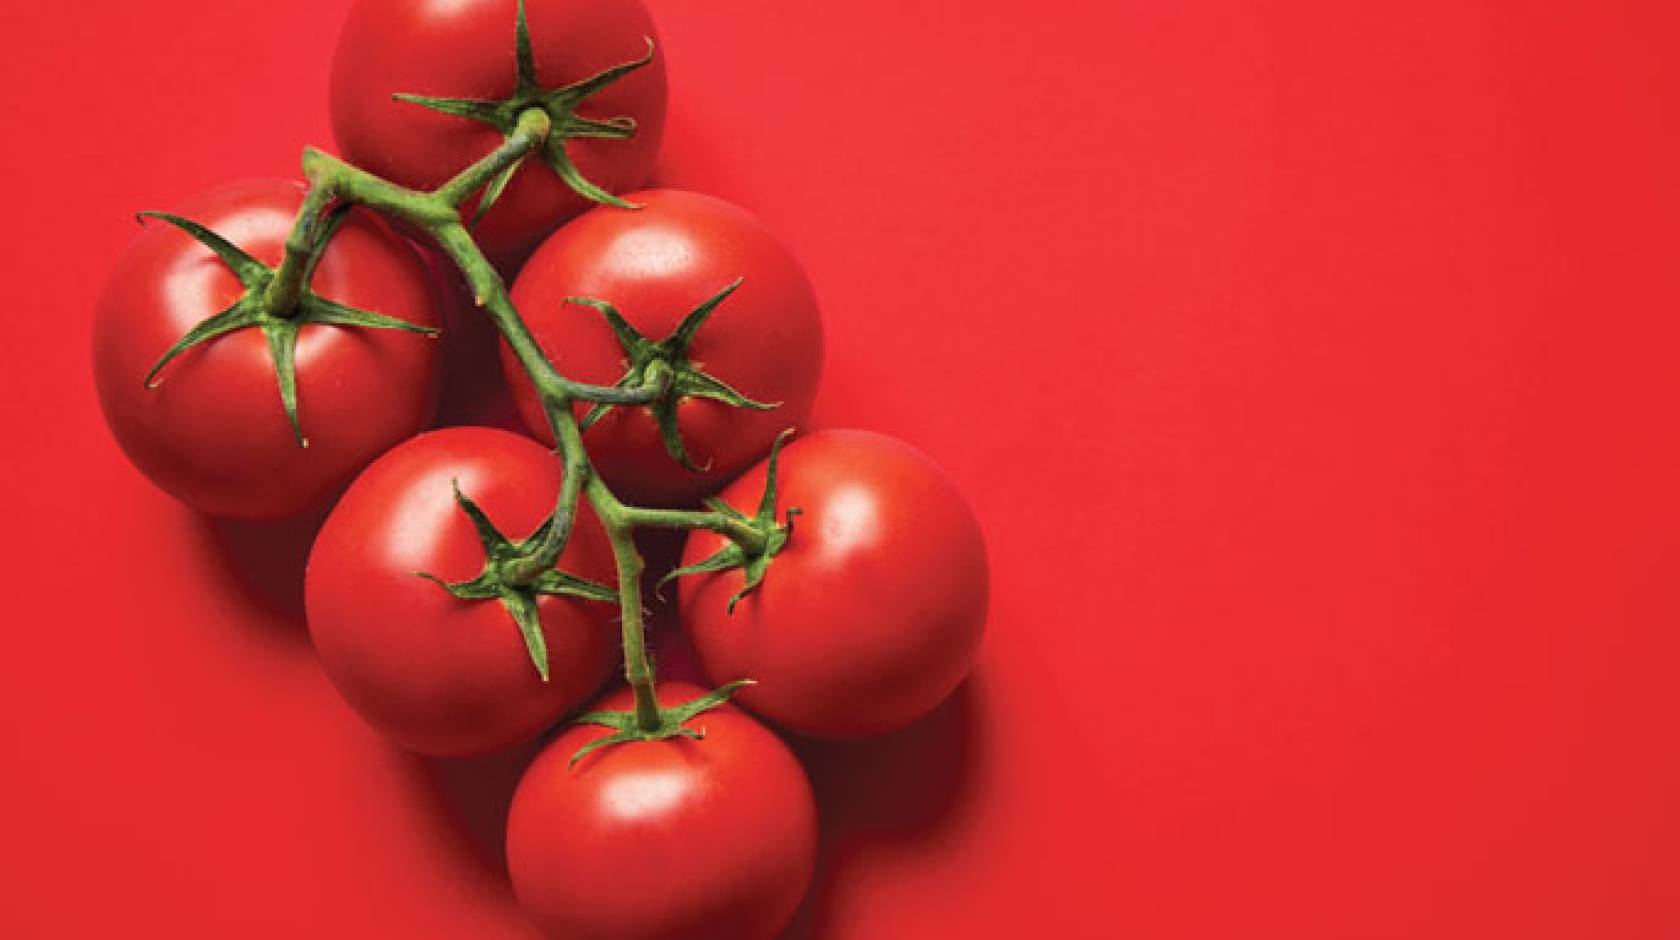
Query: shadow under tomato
pixel 472 796
pixel 263 564
pixel 873 793
pixel 474 391
pixel 689 159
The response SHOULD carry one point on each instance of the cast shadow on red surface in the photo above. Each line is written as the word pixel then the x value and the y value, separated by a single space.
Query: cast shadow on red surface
pixel 471 796
pixel 262 563
pixel 878 792
pixel 475 392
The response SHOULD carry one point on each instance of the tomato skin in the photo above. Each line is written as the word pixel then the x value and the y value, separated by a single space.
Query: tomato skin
pixel 658 840
pixel 656 265
pixel 465 49
pixel 213 434
pixel 872 613
pixel 436 674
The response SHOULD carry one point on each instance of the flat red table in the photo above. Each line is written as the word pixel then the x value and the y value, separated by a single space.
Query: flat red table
pixel 1312 366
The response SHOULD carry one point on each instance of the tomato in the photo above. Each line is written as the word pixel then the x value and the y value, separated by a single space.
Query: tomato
pixel 214 433
pixel 872 612
pixel 656 840
pixel 655 266
pixel 435 673
pixel 465 49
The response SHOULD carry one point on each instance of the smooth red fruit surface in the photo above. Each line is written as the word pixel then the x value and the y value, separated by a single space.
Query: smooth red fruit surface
pixel 434 673
pixel 871 614
pixel 712 839
pixel 465 49
pixel 213 433
pixel 656 265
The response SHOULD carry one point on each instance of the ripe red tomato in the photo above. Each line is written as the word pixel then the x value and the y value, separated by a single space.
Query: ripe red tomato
pixel 464 49
pixel 656 266
pixel 213 433
pixel 871 614
pixel 435 673
pixel 712 839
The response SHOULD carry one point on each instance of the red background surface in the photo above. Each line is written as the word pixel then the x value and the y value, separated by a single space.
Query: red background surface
pixel 1311 366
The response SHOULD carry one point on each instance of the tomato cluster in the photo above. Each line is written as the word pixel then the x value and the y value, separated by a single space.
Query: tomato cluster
pixel 272 348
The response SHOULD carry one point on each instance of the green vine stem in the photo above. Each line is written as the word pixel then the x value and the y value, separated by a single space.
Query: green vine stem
pixel 438 213
pixel 638 669
pixel 741 533
pixel 302 243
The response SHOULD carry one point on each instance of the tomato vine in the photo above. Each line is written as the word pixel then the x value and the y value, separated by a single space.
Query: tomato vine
pixel 437 212
pixel 912 593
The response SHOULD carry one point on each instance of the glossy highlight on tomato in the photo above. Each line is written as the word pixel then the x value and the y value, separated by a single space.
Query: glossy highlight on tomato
pixel 465 49
pixel 437 674
pixel 711 839
pixel 871 614
pixel 213 433
pixel 655 265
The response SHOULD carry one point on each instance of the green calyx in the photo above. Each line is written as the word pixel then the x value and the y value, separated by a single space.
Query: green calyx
pixel 754 562
pixel 253 310
pixel 687 380
pixel 560 104
pixel 503 557
pixel 670 722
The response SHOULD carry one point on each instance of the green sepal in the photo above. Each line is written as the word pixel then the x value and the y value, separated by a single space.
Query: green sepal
pixel 329 227
pixel 618 128
pixel 700 385
pixel 481 588
pixel 237 317
pixel 520 600
pixel 671 721
pixel 670 434
pixel 683 335
pixel 753 564
pixel 313 308
pixel 525 61
pixel 249 270
pixel 523 606
pixel 725 558
pixel 282 348
pixel 474 109
pixel 560 104
pixel 688 380
pixel 496 546
pixel 250 310
pixel 560 584
pixel 494 191
pixel 568 97
pixel 599 411
pixel 555 155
